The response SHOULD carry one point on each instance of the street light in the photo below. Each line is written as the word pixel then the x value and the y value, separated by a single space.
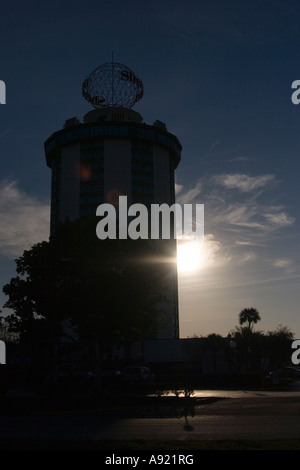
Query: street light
pixel 232 345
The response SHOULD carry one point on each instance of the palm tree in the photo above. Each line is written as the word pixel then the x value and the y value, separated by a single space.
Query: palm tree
pixel 250 316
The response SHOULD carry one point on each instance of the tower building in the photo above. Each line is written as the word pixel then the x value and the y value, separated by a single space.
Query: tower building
pixel 111 153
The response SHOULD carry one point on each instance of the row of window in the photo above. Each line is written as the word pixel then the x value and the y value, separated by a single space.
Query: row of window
pixel 92 177
pixel 87 188
pixel 140 177
pixel 142 152
pixel 142 166
pixel 142 188
pixel 142 199
pixel 55 191
pixel 144 132
pixel 92 154
pixel 86 199
pixel 142 173
pixel 90 145
pixel 89 209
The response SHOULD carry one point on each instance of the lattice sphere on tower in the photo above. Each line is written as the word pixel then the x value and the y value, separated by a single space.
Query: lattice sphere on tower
pixel 112 84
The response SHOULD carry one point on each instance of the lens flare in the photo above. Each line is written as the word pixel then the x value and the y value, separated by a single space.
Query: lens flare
pixel 189 256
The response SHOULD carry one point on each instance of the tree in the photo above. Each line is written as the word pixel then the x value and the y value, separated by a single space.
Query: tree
pixel 214 343
pixel 278 345
pixel 7 333
pixel 250 316
pixel 112 290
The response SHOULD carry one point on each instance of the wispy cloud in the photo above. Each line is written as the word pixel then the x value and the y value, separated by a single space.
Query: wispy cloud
pixel 188 196
pixel 213 145
pixel 279 219
pixel 252 215
pixel 246 257
pixel 214 254
pixel 246 209
pixel 243 182
pixel 24 220
pixel 239 214
pixel 248 243
pixel 178 188
pixel 284 263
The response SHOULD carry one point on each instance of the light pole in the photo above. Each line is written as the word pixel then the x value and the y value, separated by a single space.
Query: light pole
pixel 232 354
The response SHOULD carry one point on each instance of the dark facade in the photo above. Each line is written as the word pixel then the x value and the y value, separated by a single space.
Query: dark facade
pixel 113 153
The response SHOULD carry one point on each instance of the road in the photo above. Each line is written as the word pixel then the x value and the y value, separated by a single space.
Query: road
pixel 218 415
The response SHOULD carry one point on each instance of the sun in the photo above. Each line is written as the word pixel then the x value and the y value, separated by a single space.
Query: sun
pixel 189 256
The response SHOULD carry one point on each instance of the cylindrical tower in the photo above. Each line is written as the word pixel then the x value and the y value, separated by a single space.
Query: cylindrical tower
pixel 112 153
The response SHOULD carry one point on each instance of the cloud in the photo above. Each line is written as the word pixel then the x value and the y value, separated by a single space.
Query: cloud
pixel 246 257
pixel 248 243
pixel 283 263
pixel 178 188
pixel 253 216
pixel 214 254
pixel 243 183
pixel 213 145
pixel 279 219
pixel 232 211
pixel 188 197
pixel 24 220
pixel 241 218
pixel 243 243
pixel 239 215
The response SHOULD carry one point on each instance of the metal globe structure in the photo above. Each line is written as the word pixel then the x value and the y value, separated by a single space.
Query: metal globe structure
pixel 112 84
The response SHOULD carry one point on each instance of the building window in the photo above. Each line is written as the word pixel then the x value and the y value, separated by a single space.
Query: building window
pixel 142 172
pixel 91 177
pixel 117 116
pixel 55 190
pixel 172 181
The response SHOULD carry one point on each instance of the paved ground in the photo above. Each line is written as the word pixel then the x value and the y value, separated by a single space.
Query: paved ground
pixel 216 415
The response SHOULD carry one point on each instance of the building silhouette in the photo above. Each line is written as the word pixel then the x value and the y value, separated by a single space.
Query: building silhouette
pixel 112 152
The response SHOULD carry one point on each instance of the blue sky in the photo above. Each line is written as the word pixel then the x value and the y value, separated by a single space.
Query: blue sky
pixel 219 74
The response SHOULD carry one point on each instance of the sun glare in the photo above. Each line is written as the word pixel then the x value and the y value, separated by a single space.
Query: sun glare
pixel 189 256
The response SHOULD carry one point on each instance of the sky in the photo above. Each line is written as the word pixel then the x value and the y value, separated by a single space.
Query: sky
pixel 219 74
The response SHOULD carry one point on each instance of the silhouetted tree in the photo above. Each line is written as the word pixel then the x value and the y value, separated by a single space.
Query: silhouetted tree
pixel 273 346
pixel 215 343
pixel 278 345
pixel 7 333
pixel 250 316
pixel 110 289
